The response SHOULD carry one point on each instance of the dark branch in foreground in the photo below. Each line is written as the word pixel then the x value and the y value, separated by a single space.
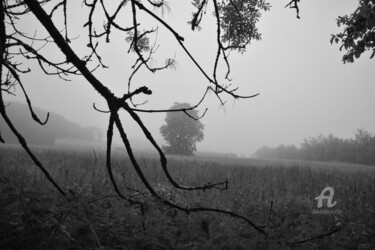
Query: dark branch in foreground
pixel 18 44
pixel 114 105
pixel 3 113
pixel 314 238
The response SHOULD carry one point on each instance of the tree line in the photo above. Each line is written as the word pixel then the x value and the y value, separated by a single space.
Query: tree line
pixel 359 150
pixel 235 27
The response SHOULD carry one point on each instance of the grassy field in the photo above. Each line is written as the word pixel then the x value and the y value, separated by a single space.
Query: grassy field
pixel 34 216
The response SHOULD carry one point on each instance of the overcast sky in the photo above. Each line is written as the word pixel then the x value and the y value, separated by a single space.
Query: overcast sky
pixel 305 89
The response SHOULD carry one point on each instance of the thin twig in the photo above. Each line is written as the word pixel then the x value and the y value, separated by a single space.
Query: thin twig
pixel 313 238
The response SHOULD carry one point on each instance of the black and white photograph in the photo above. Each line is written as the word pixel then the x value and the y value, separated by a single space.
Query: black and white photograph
pixel 187 124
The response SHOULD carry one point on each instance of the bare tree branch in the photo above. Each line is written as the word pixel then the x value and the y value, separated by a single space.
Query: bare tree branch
pixel 163 159
pixel 73 65
pixel 34 116
pixel 314 238
pixel 294 5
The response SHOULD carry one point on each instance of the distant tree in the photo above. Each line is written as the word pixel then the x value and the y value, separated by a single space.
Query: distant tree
pixel 50 45
pixel 364 146
pixel 182 130
pixel 265 152
pixel 358 35
pixel 346 150
pixel 288 152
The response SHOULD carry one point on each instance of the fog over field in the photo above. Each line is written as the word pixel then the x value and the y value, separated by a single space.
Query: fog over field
pixel 305 89
pixel 159 147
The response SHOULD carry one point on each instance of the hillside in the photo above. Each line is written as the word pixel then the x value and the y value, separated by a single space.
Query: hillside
pixel 57 127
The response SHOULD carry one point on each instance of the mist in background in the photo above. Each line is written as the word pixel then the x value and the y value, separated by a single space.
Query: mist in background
pixel 305 89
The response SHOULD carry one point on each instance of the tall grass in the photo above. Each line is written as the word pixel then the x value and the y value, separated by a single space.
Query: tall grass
pixel 97 217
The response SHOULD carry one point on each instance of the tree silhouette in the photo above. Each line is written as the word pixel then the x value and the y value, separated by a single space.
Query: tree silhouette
pixel 182 131
pixel 235 26
pixel 17 44
pixel 358 35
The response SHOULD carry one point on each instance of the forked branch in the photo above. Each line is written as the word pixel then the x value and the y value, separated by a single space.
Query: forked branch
pixel 115 104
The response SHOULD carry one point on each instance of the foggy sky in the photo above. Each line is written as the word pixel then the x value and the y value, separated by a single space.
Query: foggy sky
pixel 305 89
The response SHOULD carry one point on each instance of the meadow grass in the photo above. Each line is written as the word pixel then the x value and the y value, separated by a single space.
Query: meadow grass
pixel 34 215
